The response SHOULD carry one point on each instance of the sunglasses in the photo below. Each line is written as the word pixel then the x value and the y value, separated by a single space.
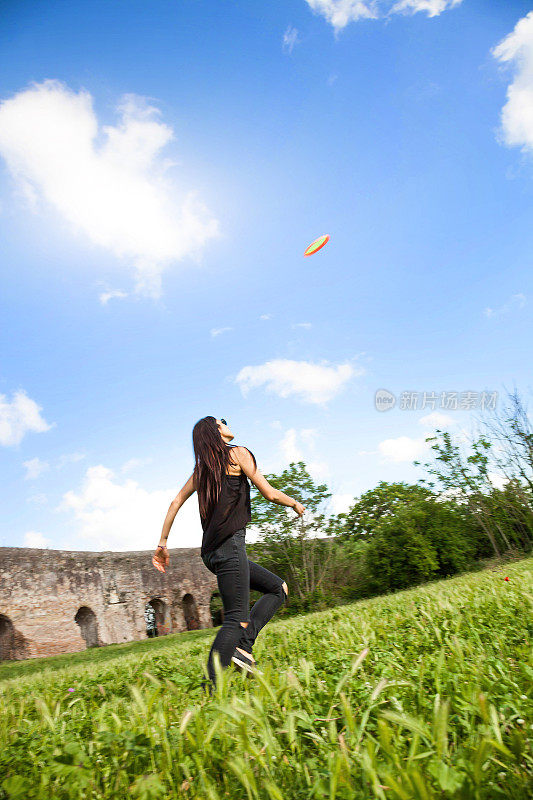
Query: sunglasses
pixel 223 421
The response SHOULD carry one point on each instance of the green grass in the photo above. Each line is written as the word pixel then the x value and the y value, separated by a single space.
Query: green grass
pixel 421 694
pixel 99 655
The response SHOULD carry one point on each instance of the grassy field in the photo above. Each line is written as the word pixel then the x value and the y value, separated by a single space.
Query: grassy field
pixel 421 694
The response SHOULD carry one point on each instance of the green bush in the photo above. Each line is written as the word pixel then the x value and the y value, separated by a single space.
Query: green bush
pixel 421 540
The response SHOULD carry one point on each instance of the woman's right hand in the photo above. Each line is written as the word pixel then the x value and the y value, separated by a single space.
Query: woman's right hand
pixel 161 559
pixel 298 507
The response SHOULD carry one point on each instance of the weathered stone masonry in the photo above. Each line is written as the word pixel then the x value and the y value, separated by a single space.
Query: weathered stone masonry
pixel 56 601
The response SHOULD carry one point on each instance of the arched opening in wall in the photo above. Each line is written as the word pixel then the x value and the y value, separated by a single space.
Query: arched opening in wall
pixel 216 608
pixel 86 619
pixel 157 617
pixel 7 639
pixel 13 645
pixel 190 613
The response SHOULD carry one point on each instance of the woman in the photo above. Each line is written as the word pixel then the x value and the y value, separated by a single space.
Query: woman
pixel 220 478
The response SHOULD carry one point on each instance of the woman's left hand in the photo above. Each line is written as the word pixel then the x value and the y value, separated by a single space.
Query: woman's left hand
pixel 161 558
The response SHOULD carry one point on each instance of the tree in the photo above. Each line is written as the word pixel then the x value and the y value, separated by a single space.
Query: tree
pixel 513 512
pixel 290 542
pixel 360 521
pixel 349 575
pixel 425 538
pixel 505 448
pixel 464 477
pixel 511 430
pixel 454 534
pixel 400 555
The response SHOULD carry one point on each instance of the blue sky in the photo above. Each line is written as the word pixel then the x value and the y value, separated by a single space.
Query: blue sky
pixel 164 165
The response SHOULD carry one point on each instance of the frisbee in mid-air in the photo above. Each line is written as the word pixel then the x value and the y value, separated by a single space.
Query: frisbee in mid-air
pixel 316 245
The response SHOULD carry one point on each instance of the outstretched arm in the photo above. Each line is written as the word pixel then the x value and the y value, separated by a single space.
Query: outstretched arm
pixel 161 558
pixel 260 482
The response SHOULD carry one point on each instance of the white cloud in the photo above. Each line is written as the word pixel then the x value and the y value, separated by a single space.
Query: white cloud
pixel 312 383
pixel 290 38
pixel 289 447
pixel 497 480
pixel 298 446
pixel 319 470
pixel 35 539
pixel 265 316
pixel 517 114
pixel 123 516
pixel 437 420
pixel 105 297
pixel 218 331
pixel 341 12
pixel 34 468
pixel 516 302
pixel 450 494
pixel 407 448
pixel 302 325
pixel 432 7
pixel 18 417
pixel 402 449
pixel 115 193
pixel 309 436
pixel 38 499
pixel 291 450
pixel 340 503
pixel 70 458
pixel 134 463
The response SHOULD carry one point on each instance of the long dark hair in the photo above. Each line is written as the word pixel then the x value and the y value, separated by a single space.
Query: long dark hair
pixel 211 460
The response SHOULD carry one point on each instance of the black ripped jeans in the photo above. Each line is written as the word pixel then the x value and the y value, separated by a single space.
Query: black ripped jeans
pixel 236 575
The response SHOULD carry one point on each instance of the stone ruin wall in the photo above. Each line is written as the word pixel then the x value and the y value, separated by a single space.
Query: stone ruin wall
pixel 55 601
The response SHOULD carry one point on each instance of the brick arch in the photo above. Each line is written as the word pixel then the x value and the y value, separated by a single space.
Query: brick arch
pixel 13 645
pixel 86 619
pixel 190 612
pixel 7 638
pixel 162 616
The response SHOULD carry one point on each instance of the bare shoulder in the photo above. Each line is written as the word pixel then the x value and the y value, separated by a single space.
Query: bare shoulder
pixel 235 466
pixel 242 455
pixel 246 461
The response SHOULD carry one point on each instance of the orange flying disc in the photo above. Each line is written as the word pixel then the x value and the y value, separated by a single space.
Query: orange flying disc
pixel 316 245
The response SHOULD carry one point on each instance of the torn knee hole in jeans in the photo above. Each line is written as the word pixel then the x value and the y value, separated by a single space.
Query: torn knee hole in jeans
pixel 244 624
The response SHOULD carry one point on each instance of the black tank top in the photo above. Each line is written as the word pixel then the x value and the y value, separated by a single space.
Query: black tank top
pixel 231 513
